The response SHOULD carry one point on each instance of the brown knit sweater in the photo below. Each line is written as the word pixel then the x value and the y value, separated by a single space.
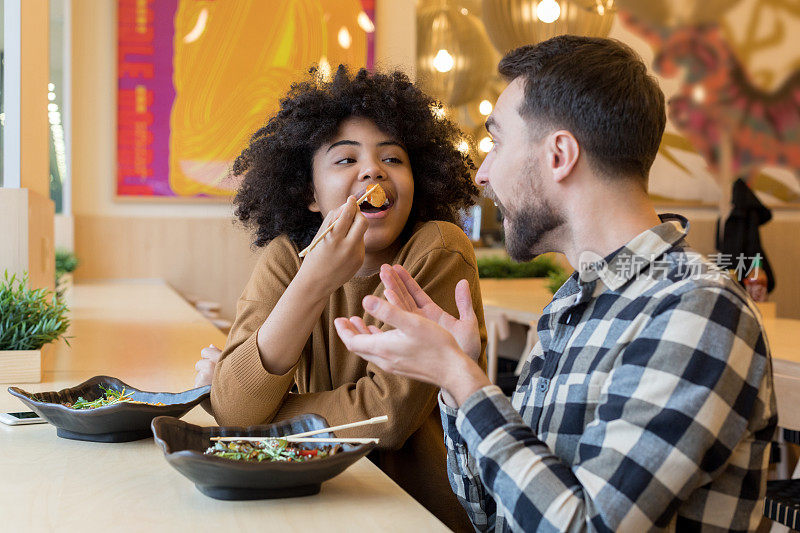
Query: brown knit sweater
pixel 341 386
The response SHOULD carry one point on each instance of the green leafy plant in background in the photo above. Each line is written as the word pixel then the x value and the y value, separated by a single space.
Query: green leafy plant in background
pixel 66 262
pixel 503 267
pixel 29 318
pixel 556 279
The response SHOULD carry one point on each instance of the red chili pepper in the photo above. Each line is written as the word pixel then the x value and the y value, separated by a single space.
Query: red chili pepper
pixel 309 453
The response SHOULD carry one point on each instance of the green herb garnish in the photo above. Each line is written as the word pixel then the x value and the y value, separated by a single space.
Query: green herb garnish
pixel 110 397
pixel 269 450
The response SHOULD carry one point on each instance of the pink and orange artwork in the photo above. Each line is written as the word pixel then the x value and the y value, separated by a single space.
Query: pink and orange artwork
pixel 738 126
pixel 197 77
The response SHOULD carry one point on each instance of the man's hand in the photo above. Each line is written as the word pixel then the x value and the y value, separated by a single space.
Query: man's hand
pixel 404 292
pixel 418 348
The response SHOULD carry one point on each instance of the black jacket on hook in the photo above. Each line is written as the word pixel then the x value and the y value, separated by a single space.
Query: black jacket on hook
pixel 741 234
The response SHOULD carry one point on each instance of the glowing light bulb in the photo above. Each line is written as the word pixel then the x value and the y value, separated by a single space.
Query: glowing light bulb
pixel 485 145
pixel 438 112
pixel 51 87
pixel 463 147
pixel 51 96
pixel 464 11
pixel 548 11
pixel 485 107
pixel 344 38
pixel 699 94
pixel 365 23
pixel 324 68
pixel 443 62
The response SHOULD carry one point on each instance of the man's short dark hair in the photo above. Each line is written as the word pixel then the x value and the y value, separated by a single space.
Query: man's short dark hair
pixel 600 91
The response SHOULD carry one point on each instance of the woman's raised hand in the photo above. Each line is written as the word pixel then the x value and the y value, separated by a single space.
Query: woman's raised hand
pixel 339 255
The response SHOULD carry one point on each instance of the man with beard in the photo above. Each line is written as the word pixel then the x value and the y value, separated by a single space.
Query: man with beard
pixel 648 401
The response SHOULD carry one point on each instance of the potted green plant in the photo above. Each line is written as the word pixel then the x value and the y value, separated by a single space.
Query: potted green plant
pixel 29 320
pixel 66 263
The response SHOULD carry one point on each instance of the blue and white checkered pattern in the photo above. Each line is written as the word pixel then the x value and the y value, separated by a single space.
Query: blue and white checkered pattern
pixel 647 404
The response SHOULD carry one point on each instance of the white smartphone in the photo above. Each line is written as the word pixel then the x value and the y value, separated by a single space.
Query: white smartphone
pixel 25 417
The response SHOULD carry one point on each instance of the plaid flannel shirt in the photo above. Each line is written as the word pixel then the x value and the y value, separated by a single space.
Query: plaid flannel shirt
pixel 647 404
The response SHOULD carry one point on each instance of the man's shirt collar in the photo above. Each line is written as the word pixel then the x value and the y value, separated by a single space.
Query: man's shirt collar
pixel 624 264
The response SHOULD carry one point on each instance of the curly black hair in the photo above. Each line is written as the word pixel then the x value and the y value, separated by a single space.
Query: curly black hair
pixel 275 168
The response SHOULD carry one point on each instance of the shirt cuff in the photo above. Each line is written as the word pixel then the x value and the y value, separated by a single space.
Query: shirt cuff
pixel 446 409
pixel 483 412
pixel 452 439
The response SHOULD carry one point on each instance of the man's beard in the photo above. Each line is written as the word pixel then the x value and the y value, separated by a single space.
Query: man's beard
pixel 528 226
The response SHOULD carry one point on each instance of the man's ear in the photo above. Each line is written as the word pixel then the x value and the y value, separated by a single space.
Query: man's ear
pixel 561 154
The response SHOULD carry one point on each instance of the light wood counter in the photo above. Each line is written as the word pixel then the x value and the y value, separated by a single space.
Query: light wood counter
pixel 783 335
pixel 522 300
pixel 146 335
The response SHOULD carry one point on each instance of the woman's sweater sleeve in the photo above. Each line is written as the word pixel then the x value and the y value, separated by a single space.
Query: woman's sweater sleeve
pixel 242 392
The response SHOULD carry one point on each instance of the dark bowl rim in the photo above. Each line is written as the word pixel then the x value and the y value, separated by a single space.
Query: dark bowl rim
pixel 25 396
pixel 361 449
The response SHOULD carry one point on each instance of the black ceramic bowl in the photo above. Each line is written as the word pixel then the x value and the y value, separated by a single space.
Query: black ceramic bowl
pixel 226 479
pixel 120 422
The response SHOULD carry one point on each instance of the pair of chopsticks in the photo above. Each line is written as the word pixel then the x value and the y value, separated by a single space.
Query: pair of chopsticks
pixel 321 236
pixel 305 436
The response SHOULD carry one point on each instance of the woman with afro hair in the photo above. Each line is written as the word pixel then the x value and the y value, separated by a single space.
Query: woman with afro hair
pixel 329 142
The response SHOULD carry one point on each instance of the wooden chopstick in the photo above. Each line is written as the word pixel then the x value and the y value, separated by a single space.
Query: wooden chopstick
pixel 302 437
pixel 355 440
pixel 321 236
pixel 375 420
pixel 366 194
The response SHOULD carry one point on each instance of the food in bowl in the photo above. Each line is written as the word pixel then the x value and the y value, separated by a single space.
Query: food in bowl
pixel 270 450
pixel 110 397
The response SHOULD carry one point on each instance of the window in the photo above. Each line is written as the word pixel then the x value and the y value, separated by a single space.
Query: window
pixel 56 99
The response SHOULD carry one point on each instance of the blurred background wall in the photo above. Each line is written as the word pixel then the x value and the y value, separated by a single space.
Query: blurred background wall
pixel 197 248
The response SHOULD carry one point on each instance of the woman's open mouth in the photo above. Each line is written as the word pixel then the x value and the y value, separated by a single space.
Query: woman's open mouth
pixel 370 211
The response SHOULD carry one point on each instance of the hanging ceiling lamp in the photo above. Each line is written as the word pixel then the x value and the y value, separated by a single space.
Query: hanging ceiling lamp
pixel 471 118
pixel 514 23
pixel 454 56
pixel 473 114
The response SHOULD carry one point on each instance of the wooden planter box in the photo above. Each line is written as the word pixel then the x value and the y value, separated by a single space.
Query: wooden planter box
pixel 21 366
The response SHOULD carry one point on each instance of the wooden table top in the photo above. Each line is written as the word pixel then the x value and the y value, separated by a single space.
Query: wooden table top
pixel 521 300
pixel 783 335
pixel 146 335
